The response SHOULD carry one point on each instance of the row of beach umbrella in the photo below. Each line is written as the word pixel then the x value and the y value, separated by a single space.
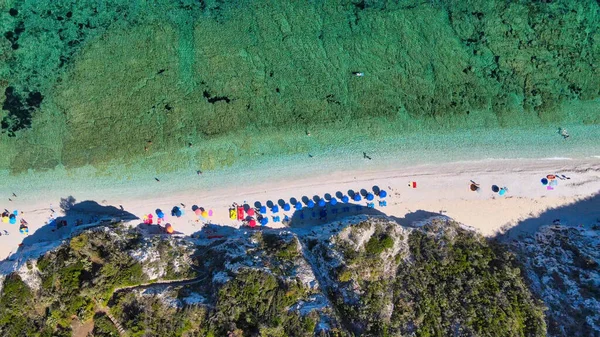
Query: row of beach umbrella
pixel 321 202
pixel 178 212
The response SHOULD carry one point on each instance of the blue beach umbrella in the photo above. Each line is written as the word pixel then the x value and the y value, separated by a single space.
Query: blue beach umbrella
pixel 310 204
pixel 286 207
pixel 502 191
pixel 263 210
pixel 298 206
pixel 176 211
pixel 16 213
pixel 357 197
pixel 264 221
pixel 370 196
pixel 544 181
pixel 159 213
pixel 12 219
pixel 345 199
pixel 275 209
pixel 321 203
pixel 382 194
pixel 333 201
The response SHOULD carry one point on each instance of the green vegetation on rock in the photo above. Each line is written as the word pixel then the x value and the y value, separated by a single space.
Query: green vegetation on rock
pixel 73 280
pixel 444 280
pixel 256 302
pixel 374 278
pixel 16 305
pixel 103 327
pixel 465 284
pixel 376 245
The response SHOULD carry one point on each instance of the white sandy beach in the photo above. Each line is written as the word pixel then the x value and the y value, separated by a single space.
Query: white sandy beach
pixel 441 188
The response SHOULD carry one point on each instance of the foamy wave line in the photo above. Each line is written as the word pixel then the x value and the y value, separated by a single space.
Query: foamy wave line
pixel 557 158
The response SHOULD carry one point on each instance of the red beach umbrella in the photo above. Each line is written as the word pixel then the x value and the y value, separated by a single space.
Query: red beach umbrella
pixel 250 212
pixel 198 211
pixel 252 223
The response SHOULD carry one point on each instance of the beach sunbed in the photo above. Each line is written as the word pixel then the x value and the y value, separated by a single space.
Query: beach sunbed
pixel 240 213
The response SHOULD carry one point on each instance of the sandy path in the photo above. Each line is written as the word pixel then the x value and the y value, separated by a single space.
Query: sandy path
pixel 440 188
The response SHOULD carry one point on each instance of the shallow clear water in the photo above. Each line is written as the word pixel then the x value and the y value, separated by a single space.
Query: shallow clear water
pixel 128 87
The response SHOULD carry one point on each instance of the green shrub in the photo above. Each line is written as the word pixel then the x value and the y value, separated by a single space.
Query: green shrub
pixel 377 244
pixel 345 275
pixel 77 243
pixel 15 308
pixel 103 327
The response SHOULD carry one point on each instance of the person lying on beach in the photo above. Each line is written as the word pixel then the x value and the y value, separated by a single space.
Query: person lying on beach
pixel 563 133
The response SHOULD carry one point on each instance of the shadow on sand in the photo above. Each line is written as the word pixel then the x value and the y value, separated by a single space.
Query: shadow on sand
pixel 78 217
pixel 583 212
pixel 308 217
pixel 154 229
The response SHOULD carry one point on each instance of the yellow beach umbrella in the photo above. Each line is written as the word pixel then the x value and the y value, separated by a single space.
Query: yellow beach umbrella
pixel 5 219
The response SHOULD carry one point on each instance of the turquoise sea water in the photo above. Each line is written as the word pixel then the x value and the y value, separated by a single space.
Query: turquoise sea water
pixel 122 92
